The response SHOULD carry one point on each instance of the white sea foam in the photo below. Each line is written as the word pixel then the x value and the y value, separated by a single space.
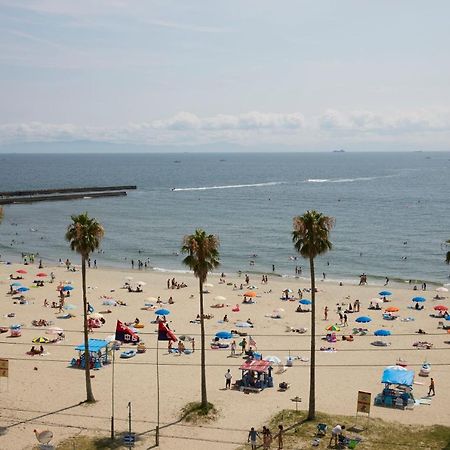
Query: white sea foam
pixel 340 180
pixel 230 186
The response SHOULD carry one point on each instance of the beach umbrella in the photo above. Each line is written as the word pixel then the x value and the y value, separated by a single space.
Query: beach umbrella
pixel 363 319
pixel 16 284
pixel 333 328
pixel 250 294
pixel 219 298
pixel 392 309
pixel 41 340
pixel 252 287
pixel 224 335
pixel 54 330
pixel 287 290
pixel 305 301
pixel 96 316
pixel 243 325
pixel 162 312
pixel 41 274
pixel 21 271
pixel 273 359
pixel 68 288
pixel 69 307
pixel 23 289
pixel 419 299
pixel 382 333
pixel 440 308
pixel 441 289
pixel 384 293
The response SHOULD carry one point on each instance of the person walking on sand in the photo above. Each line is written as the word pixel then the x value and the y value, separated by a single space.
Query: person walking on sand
pixel 228 378
pixel 193 345
pixel 345 320
pixel 243 345
pixel 387 281
pixel 431 388
pixel 252 436
pixel 325 313
pixel 233 348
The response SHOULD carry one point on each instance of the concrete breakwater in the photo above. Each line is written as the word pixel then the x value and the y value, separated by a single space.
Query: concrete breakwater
pixel 42 195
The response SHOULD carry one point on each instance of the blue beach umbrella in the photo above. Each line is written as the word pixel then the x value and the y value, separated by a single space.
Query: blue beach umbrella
pixel 382 333
pixel 162 312
pixel 224 335
pixel 23 289
pixel 16 284
pixel 419 299
pixel 305 301
pixel 363 319
pixel 384 293
pixel 68 288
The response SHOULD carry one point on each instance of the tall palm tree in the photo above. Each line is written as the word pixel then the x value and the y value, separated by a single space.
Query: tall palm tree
pixel 84 235
pixel 202 257
pixel 310 237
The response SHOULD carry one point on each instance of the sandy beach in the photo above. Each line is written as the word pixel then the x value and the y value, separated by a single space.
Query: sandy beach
pixel 43 392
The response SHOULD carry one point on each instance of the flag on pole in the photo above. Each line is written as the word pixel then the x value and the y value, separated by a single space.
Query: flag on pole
pixel 125 334
pixel 164 333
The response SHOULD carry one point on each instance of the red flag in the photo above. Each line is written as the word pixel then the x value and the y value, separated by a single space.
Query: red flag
pixel 124 333
pixel 164 333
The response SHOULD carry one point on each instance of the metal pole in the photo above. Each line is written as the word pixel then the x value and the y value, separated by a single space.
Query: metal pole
pixel 157 392
pixel 129 418
pixel 112 394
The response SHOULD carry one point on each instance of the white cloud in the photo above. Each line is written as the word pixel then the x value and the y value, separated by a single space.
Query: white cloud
pixel 250 128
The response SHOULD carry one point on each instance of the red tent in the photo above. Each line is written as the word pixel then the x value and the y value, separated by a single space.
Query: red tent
pixel 257 365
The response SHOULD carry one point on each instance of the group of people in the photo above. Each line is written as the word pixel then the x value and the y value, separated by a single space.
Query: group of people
pixel 266 436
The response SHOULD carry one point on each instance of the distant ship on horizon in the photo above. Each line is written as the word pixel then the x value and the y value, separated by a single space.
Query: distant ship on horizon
pixel 339 151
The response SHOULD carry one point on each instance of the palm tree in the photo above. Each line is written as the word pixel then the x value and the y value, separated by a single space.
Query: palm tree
pixel 202 257
pixel 84 235
pixel 310 237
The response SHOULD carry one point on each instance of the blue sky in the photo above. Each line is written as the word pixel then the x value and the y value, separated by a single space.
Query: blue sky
pixel 313 75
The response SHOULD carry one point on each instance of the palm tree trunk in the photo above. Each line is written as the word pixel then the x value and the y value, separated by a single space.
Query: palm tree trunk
pixel 202 350
pixel 312 367
pixel 87 369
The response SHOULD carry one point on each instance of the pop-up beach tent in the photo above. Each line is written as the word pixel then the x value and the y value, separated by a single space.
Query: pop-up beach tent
pixel 99 350
pixel 397 392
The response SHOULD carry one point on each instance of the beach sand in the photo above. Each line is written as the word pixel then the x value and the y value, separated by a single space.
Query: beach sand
pixel 42 392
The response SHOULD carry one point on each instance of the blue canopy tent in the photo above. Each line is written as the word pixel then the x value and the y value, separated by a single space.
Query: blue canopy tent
pixel 397 392
pixel 99 350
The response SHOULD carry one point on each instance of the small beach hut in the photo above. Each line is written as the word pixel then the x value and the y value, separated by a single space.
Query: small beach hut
pixel 256 375
pixel 397 392
pixel 99 352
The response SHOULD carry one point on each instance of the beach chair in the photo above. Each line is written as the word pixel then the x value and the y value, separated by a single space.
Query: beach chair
pixel 321 429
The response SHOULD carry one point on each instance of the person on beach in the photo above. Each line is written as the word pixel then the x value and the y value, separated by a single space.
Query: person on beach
pixel 252 436
pixel 387 281
pixel 267 439
pixel 193 345
pixel 233 348
pixel 335 433
pixel 431 388
pixel 228 378
pixel 345 320
pixel 280 437
pixel 243 345
pixel 325 313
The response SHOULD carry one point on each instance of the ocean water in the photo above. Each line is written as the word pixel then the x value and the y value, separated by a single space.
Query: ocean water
pixel 392 210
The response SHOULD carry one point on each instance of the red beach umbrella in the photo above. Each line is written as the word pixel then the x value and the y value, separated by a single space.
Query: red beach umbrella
pixel 392 309
pixel 21 271
pixel 440 308
pixel 41 274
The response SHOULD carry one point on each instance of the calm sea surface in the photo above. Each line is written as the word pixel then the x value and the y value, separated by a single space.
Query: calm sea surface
pixel 392 210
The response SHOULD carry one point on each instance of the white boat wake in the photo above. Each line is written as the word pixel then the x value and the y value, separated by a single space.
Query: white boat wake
pixel 231 186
